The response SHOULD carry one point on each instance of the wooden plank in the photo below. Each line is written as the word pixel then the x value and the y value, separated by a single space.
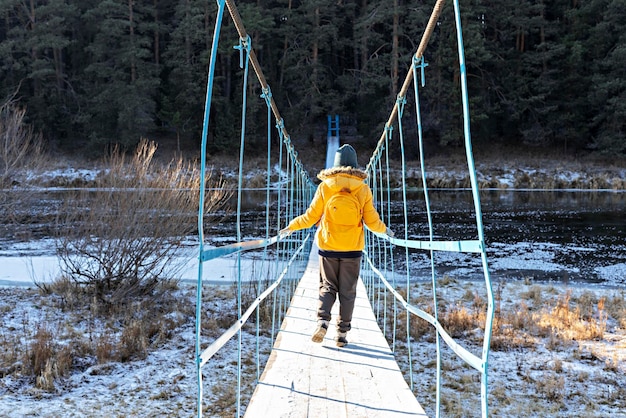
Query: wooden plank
pixel 305 379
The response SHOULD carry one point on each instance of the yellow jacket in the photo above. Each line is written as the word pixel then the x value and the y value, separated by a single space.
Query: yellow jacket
pixel 332 237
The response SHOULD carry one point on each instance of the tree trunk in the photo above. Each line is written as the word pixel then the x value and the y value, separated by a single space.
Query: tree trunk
pixel 157 52
pixel 520 40
pixel 542 36
pixel 394 49
pixel 133 65
pixel 315 46
pixel 58 66
pixel 33 51
pixel 285 49
pixel 187 35
pixel 363 48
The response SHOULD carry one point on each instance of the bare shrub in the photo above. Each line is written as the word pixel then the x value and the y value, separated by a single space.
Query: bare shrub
pixel 119 240
pixel 20 150
pixel 20 147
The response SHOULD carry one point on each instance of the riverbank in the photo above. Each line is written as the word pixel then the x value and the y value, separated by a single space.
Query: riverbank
pixel 496 168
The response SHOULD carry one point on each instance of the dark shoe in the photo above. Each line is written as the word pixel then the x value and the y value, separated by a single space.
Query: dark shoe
pixel 340 339
pixel 320 332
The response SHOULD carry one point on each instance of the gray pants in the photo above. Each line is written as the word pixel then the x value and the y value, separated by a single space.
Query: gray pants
pixel 338 276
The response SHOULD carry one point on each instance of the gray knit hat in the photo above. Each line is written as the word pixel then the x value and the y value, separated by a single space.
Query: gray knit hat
pixel 346 157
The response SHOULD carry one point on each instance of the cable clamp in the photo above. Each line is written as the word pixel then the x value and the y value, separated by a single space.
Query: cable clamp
pixel 267 95
pixel 280 124
pixel 244 44
pixel 401 101
pixel 421 64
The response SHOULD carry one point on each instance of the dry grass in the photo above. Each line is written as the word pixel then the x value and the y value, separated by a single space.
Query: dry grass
pixel 616 307
pixel 580 322
pixel 577 330
pixel 45 350
pixel 45 358
pixel 558 319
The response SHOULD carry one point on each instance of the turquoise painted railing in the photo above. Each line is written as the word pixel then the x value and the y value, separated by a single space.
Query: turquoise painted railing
pixel 291 190
pixel 379 179
pixel 288 195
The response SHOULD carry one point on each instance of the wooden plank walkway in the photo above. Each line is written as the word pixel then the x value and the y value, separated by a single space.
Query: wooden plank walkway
pixel 305 379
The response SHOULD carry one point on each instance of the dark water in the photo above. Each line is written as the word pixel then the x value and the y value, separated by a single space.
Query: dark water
pixel 536 235
pixel 545 235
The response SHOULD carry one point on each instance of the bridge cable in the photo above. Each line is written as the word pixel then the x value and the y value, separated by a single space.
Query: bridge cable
pixel 201 198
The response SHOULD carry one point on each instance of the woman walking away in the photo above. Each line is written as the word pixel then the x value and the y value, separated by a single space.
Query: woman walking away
pixel 340 207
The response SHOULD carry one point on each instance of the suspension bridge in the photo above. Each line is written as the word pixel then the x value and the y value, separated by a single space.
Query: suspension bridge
pixel 362 379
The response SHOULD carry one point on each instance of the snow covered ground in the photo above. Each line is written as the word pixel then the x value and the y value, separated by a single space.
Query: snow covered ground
pixel 545 377
pixel 540 376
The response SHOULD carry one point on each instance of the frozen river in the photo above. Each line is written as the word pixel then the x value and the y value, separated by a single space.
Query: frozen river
pixel 533 235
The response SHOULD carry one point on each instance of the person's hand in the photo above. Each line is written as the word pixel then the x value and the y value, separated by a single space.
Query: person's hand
pixel 390 233
pixel 284 233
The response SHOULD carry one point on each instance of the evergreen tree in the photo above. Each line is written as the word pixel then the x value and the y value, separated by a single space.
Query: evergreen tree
pixel 306 74
pixel 111 71
pixel 608 94
pixel 377 75
pixel 121 79
pixel 34 66
pixel 186 56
